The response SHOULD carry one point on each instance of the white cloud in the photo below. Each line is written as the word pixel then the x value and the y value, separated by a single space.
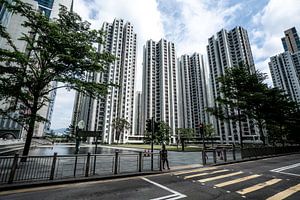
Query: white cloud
pixel 270 24
pixel 196 22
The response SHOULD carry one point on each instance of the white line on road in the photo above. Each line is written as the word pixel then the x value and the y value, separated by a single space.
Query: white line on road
pixel 174 196
pixel 287 167
pixel 286 173
pixel 281 169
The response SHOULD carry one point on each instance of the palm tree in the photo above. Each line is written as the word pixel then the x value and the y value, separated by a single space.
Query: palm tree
pixel 119 125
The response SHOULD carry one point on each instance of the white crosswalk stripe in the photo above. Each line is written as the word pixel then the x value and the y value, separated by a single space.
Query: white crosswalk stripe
pixel 206 173
pixel 194 170
pixel 219 177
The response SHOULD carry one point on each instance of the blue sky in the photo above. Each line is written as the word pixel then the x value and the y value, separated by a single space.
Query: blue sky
pixel 189 23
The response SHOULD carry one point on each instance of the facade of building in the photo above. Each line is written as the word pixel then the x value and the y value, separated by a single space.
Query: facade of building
pixel 285 67
pixel 13 24
pixel 193 97
pixel 291 41
pixel 225 50
pixel 284 74
pixel 137 135
pixel 160 87
pixel 99 114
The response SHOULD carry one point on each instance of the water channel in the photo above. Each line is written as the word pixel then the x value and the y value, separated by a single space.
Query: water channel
pixel 67 149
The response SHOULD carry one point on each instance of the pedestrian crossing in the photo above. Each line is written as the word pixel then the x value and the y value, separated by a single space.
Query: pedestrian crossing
pixel 243 183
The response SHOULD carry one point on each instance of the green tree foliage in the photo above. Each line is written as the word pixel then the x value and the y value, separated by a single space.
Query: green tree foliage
pixel 184 134
pixel 119 125
pixel 282 116
pixel 245 94
pixel 209 132
pixel 234 87
pixel 59 50
pixel 160 136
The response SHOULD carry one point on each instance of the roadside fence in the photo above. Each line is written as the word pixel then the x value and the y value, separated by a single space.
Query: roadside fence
pixel 17 169
pixel 267 151
pixel 226 154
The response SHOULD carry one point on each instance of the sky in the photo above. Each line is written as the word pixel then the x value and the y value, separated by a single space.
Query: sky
pixel 189 24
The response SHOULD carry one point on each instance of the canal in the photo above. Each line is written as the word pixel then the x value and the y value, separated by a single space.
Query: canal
pixel 68 149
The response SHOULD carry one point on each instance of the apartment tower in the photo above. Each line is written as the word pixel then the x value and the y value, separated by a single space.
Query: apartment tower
pixel 225 50
pixel 98 114
pixel 285 67
pixel 160 90
pixel 193 97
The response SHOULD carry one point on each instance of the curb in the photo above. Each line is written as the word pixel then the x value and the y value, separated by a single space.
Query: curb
pixel 16 186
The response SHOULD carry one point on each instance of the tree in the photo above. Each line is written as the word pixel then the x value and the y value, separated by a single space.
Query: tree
pixel 234 84
pixel 119 125
pixel 161 134
pixel 281 116
pixel 59 50
pixel 209 132
pixel 184 134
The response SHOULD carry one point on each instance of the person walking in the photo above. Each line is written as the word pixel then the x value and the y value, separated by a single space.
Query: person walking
pixel 164 156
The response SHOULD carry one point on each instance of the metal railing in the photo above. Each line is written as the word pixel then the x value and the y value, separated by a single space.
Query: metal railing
pixel 223 155
pixel 16 169
pixel 220 155
pixel 267 151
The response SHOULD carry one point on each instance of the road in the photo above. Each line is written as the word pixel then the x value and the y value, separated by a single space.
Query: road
pixel 272 178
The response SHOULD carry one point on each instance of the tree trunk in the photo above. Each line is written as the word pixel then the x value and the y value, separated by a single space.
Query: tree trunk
pixel 30 129
pixel 182 144
pixel 240 127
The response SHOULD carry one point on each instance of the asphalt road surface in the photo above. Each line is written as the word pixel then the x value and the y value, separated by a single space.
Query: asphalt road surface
pixel 272 179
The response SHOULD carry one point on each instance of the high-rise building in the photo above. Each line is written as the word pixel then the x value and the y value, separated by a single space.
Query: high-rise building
pixel 4 15
pixel 13 25
pixel 137 135
pixel 99 114
pixel 225 50
pixel 193 97
pixel 284 74
pixel 291 41
pixel 160 90
pixel 285 67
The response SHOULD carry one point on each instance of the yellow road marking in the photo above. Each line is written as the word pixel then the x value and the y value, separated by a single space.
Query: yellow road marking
pixel 194 170
pixel 237 180
pixel 258 186
pixel 285 193
pixel 206 173
pixel 219 177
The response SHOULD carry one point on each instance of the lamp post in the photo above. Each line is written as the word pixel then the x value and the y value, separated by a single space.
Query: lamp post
pixel 80 126
pixel 201 125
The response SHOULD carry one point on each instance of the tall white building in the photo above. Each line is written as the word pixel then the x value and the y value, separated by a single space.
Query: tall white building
pixel 13 24
pixel 160 87
pixel 99 114
pixel 193 97
pixel 285 67
pixel 227 49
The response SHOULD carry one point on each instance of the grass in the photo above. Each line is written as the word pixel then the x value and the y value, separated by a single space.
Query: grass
pixel 158 147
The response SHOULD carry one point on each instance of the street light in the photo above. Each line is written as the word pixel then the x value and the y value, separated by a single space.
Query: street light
pixel 80 126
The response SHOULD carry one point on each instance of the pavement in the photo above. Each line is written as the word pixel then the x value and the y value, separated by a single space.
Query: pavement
pixel 271 178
